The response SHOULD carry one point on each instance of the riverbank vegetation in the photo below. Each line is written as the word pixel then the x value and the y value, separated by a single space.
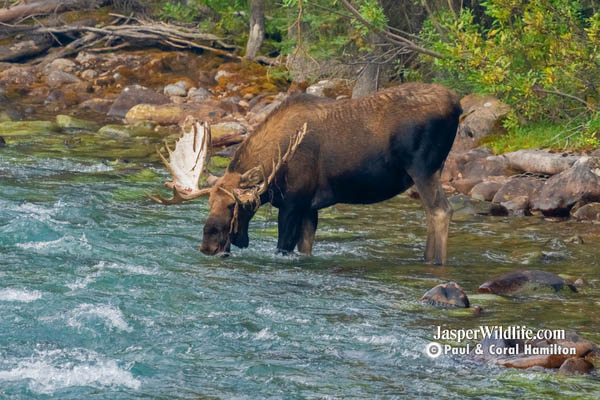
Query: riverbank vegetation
pixel 541 56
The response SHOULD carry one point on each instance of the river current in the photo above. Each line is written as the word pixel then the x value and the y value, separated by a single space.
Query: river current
pixel 104 295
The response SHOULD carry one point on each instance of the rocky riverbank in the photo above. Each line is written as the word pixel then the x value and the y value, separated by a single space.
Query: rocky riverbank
pixel 144 95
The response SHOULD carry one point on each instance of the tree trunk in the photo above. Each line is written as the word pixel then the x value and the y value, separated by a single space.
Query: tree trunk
pixel 257 28
pixel 366 82
pixel 368 78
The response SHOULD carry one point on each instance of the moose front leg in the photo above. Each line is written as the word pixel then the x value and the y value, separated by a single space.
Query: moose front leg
pixel 307 235
pixel 289 226
pixel 438 213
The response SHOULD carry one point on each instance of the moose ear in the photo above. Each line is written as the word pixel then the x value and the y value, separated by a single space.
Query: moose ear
pixel 251 178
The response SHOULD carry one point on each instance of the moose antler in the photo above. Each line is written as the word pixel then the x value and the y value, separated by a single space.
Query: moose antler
pixel 186 164
pixel 255 181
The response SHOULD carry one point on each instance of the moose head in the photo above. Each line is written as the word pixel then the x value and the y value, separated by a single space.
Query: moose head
pixel 234 198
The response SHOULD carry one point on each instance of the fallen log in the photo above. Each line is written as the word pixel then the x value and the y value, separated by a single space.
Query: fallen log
pixel 45 7
pixel 27 48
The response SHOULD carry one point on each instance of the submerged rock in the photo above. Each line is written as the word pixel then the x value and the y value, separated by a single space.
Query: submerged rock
pixel 69 123
pixel 25 128
pixel 551 354
pixel 588 212
pixel 446 295
pixel 520 280
pixel 117 131
pixel 464 205
pixel 575 366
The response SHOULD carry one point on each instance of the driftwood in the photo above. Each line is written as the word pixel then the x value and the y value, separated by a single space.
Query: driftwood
pixel 45 7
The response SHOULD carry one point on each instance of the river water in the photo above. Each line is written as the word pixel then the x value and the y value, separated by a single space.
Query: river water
pixel 104 295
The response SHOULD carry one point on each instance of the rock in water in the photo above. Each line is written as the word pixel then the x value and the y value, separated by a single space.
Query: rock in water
pixel 2 142
pixel 447 295
pixel 524 279
pixel 562 191
pixel 575 366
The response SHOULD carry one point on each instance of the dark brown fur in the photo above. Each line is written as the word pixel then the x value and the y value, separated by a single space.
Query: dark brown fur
pixel 355 151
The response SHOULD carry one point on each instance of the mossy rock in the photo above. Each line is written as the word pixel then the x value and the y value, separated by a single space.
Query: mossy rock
pixel 219 162
pixel 145 175
pixel 71 124
pixel 129 194
pixel 26 128
pixel 128 131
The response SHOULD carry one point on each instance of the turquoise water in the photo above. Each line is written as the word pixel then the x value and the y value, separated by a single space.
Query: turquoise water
pixel 104 295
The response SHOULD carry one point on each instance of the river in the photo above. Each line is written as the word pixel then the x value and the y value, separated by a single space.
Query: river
pixel 104 295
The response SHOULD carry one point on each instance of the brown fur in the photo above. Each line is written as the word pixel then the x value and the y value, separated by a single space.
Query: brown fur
pixel 355 151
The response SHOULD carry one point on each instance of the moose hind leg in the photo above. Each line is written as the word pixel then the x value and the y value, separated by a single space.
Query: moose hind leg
pixel 289 227
pixel 307 234
pixel 438 213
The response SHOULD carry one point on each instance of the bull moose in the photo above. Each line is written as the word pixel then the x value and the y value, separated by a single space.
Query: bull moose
pixel 311 153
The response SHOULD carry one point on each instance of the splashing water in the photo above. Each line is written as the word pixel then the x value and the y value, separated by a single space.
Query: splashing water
pixel 102 291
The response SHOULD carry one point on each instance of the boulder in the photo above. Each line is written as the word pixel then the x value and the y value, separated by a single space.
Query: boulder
pixel 521 280
pixel 132 96
pixel 464 186
pixel 485 190
pixel 175 90
pixel 446 295
pixel 227 128
pixel 481 168
pixel 100 106
pixel 71 124
pixel 169 114
pixel 588 212
pixel 198 94
pixel 540 161
pixel 19 76
pixel 518 187
pixel 581 182
pixel 26 128
pixel 575 366
pixel 56 78
pixel 61 64
pixel 89 74
pixel 518 205
pixel 459 156
pixel 483 116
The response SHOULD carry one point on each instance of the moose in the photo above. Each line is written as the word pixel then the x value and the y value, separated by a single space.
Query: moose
pixel 311 153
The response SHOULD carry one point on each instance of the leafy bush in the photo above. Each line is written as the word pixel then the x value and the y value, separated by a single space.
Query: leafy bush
pixel 540 56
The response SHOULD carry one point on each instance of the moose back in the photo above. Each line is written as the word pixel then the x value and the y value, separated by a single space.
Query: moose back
pixel 311 153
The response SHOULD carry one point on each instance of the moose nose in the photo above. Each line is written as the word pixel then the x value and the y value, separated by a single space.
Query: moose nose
pixel 207 250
